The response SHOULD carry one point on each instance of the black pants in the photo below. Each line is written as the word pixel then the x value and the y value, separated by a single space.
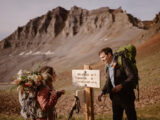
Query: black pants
pixel 129 108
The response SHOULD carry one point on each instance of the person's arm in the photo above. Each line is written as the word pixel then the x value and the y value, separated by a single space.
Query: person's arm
pixel 128 83
pixel 46 99
pixel 129 72
pixel 106 88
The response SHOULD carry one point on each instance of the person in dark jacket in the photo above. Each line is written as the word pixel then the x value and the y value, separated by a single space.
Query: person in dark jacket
pixel 119 85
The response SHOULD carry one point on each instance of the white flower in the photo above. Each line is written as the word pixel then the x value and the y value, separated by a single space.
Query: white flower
pixel 32 77
pixel 20 72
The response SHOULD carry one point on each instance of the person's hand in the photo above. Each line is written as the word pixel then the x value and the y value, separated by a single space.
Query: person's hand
pixel 59 93
pixel 117 88
pixel 28 84
pixel 62 92
pixel 100 97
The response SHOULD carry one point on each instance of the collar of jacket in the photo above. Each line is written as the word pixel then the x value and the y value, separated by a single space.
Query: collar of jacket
pixel 113 64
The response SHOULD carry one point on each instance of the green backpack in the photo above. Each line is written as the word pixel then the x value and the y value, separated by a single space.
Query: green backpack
pixel 129 52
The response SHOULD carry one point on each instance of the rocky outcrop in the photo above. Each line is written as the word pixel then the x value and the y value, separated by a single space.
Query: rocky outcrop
pixel 61 22
pixel 157 19
pixel 5 44
pixel 152 23
pixel 156 23
pixel 75 21
pixel 50 24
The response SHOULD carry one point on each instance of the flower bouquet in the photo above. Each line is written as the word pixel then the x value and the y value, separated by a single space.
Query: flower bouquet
pixel 27 80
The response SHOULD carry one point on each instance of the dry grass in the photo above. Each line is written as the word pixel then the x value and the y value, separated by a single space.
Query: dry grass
pixel 9 103
pixel 147 109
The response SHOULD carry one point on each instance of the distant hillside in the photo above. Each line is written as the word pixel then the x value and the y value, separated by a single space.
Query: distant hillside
pixel 68 39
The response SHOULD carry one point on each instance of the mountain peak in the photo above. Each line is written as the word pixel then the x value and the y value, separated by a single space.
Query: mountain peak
pixel 64 23
pixel 58 9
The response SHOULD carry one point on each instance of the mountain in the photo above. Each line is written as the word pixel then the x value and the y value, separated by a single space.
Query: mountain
pixel 152 28
pixel 67 39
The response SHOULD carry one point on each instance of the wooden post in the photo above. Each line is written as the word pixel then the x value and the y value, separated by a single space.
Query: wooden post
pixel 89 100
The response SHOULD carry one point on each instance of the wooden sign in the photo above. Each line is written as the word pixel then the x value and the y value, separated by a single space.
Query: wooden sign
pixel 87 78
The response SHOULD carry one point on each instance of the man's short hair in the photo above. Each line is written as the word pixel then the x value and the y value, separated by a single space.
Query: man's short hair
pixel 106 51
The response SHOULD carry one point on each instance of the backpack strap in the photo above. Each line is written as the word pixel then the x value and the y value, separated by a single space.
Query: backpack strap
pixel 120 62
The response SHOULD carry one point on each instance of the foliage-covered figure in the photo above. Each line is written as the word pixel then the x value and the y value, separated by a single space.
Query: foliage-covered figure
pixel 37 96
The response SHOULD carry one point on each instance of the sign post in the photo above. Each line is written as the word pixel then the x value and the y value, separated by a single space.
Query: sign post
pixel 89 79
pixel 89 100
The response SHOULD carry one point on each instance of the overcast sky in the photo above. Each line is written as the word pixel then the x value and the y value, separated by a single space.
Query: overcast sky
pixel 14 13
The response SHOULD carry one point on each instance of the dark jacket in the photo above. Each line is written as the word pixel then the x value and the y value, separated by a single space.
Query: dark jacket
pixel 122 75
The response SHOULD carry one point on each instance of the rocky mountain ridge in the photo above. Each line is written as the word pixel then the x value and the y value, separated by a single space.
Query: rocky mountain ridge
pixel 68 23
